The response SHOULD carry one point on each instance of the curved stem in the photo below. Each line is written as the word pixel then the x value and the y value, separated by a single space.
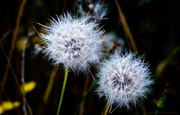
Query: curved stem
pixel 107 108
pixel 90 88
pixel 62 92
pixel 15 33
pixel 50 84
pixel 126 27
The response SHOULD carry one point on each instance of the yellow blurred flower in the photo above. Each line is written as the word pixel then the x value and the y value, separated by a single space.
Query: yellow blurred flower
pixel 20 44
pixel 8 105
pixel 27 87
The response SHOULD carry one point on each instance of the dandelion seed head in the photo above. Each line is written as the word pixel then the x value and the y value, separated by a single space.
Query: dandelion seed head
pixel 74 42
pixel 112 41
pixel 97 9
pixel 37 49
pixel 123 79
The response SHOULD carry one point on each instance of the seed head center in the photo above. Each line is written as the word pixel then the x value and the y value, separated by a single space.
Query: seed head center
pixel 73 47
pixel 121 80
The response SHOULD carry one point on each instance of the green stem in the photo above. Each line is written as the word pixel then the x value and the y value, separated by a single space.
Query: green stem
pixel 62 92
pixel 162 66
pixel 92 85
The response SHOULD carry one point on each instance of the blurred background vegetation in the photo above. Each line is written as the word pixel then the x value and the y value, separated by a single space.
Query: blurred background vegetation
pixel 154 25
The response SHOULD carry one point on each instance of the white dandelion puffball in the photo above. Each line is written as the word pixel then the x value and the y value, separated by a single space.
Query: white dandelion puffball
pixel 74 42
pixel 123 79
pixel 97 9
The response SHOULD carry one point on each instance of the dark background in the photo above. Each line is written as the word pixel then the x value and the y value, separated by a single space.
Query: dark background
pixel 154 24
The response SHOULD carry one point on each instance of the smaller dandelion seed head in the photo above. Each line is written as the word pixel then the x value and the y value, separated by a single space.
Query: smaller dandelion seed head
pixel 112 41
pixel 37 49
pixel 96 9
pixel 123 79
pixel 74 42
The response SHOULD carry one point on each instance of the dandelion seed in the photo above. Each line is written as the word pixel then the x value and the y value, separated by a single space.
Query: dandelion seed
pixel 123 80
pixel 74 42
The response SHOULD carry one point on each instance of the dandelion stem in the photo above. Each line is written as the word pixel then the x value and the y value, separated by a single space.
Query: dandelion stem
pixel 107 108
pixel 62 92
